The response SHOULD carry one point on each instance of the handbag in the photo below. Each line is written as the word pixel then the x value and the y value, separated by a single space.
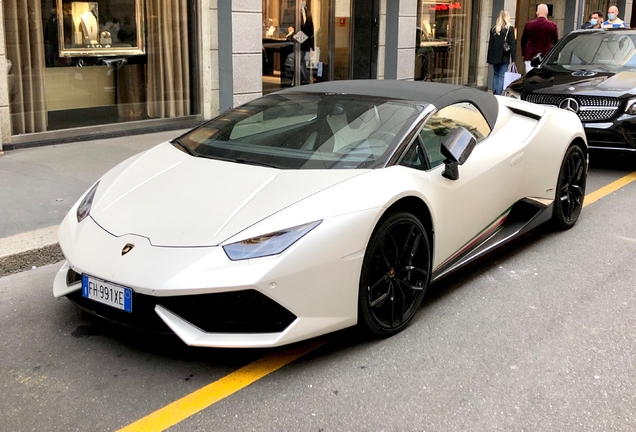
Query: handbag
pixel 506 45
pixel 511 75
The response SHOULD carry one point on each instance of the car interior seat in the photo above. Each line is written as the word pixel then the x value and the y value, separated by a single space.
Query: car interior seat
pixel 347 133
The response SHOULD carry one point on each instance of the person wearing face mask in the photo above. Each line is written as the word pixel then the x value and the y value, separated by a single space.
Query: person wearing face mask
pixel 613 21
pixel 307 27
pixel 595 21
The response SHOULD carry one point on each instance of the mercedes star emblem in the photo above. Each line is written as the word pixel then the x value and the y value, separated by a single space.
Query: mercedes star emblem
pixel 569 104
pixel 127 248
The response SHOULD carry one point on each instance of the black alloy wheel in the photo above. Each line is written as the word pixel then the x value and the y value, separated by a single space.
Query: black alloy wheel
pixel 570 188
pixel 395 275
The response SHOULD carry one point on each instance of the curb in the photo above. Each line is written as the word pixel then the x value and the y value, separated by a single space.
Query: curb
pixel 28 259
pixel 27 250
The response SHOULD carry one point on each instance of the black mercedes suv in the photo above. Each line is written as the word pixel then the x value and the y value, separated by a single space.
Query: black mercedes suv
pixel 592 73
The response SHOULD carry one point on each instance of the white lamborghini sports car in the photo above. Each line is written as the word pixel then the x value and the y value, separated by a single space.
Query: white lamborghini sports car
pixel 317 208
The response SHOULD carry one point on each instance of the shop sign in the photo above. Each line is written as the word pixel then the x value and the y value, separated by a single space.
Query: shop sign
pixel 444 6
pixel 300 37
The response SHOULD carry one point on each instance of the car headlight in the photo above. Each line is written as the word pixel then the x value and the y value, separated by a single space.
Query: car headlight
pixel 268 244
pixel 512 94
pixel 84 209
pixel 631 107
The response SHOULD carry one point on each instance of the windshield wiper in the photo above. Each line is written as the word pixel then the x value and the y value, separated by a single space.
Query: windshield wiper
pixel 250 162
pixel 184 146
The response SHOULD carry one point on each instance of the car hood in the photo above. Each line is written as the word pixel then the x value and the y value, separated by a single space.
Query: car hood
pixel 552 80
pixel 178 200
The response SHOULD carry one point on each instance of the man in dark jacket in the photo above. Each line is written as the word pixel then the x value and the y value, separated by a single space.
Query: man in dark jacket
pixel 594 21
pixel 538 36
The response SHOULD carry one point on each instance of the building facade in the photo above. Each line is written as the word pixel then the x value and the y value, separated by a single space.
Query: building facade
pixel 77 69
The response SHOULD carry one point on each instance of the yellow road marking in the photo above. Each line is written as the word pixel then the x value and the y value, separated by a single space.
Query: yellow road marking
pixel 191 404
pixel 606 190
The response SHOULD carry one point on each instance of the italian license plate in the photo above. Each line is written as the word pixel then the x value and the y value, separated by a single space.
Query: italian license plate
pixel 107 293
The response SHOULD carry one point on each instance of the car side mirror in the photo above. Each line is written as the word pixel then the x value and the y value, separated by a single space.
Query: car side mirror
pixel 456 149
pixel 536 60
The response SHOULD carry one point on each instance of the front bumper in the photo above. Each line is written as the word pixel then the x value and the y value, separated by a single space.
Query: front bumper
pixel 207 300
pixel 244 311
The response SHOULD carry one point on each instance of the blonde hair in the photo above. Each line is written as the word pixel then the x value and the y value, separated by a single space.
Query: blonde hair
pixel 503 21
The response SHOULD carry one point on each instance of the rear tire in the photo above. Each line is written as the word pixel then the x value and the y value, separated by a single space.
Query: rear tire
pixel 570 191
pixel 395 275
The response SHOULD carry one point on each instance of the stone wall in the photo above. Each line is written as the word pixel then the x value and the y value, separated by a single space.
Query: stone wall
pixel 382 39
pixel 247 50
pixel 209 58
pixel 399 38
pixel 5 114
pixel 406 39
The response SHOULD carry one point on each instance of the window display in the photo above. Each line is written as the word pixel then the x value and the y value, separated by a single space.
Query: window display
pixel 79 64
pixel 83 32
pixel 279 28
pixel 442 38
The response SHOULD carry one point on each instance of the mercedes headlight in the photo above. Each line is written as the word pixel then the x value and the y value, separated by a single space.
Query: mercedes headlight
pixel 268 244
pixel 631 107
pixel 84 209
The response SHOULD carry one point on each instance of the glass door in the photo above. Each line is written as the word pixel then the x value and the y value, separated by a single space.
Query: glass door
pixel 316 32
pixel 294 42
pixel 278 16
pixel 442 39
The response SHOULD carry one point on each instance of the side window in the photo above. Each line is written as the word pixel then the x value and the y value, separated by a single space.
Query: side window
pixel 445 121
pixel 414 157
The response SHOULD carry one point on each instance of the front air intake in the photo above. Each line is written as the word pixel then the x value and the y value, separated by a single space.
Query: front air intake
pixel 246 311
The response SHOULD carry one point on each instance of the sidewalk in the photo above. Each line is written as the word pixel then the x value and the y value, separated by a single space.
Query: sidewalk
pixel 39 185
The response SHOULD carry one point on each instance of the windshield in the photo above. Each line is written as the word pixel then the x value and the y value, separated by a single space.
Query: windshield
pixel 305 131
pixel 605 51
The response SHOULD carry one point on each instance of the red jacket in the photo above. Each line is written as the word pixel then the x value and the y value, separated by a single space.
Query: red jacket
pixel 538 37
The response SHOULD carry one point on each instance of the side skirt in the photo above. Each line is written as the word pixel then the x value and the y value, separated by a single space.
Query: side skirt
pixel 524 216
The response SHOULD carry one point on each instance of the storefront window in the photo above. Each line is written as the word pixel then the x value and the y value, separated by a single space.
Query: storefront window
pixel 279 29
pixel 84 63
pixel 277 44
pixel 87 31
pixel 442 41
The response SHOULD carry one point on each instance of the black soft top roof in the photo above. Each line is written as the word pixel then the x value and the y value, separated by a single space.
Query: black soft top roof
pixel 440 95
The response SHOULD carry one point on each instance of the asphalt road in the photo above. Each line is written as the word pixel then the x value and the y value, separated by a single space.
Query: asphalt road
pixel 540 336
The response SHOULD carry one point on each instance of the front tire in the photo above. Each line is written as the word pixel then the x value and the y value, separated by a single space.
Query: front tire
pixel 570 191
pixel 395 275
